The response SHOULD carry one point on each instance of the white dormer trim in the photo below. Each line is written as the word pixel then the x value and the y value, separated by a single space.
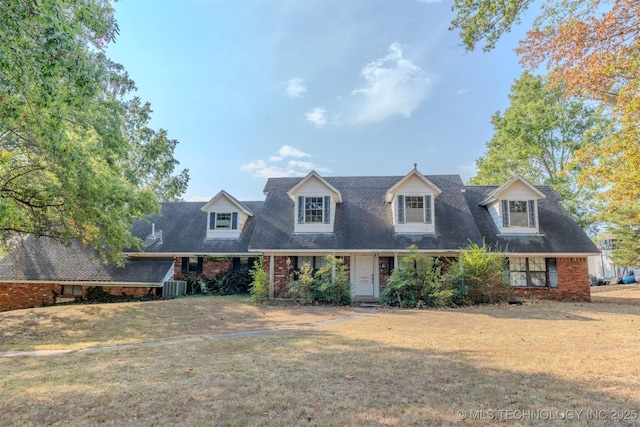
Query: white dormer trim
pixel 314 201
pixel 313 174
pixel 223 208
pixel 498 192
pixel 393 190
pixel 412 201
pixel 514 207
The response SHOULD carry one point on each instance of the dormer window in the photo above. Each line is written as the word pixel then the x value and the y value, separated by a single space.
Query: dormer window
pixel 226 217
pixel 514 207
pixel 412 203
pixel 314 210
pixel 223 220
pixel 518 213
pixel 414 209
pixel 314 204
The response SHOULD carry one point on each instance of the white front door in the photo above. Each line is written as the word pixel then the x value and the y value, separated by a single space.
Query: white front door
pixel 364 278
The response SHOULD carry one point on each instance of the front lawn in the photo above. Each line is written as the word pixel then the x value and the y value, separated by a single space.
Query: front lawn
pixel 536 364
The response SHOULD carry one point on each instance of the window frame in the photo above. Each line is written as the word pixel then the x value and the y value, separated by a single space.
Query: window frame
pixel 403 209
pixel 530 272
pixel 509 207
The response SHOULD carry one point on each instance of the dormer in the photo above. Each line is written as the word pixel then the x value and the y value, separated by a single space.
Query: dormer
pixel 226 216
pixel 412 201
pixel 514 207
pixel 315 203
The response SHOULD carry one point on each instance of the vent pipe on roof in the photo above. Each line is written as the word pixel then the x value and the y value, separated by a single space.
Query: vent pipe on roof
pixel 153 230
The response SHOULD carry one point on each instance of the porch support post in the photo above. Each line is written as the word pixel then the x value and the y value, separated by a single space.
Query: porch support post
pixel 271 276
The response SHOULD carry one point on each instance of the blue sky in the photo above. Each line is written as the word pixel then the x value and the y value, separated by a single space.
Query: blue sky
pixel 254 89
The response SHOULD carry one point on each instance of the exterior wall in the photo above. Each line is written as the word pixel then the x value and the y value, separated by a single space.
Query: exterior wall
pixel 384 271
pixel 210 268
pixel 15 296
pixel 573 283
pixel 282 273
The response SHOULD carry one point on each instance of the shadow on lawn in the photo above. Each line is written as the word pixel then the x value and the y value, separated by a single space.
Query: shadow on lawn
pixel 317 378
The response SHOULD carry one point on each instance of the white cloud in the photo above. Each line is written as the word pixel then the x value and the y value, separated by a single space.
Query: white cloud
pixel 288 151
pixel 276 166
pixel 317 116
pixel 393 86
pixel 296 88
pixel 462 91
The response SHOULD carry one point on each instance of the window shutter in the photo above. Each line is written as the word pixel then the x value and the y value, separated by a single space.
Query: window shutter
pixel 236 264
pixel 212 221
pixel 505 213
pixel 327 209
pixel 234 221
pixel 427 209
pixel 300 209
pixel 400 209
pixel 200 262
pixel 532 213
pixel 185 265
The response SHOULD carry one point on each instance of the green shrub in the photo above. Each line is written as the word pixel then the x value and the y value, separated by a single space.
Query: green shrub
pixel 335 287
pixel 306 288
pixel 259 288
pixel 420 283
pixel 482 274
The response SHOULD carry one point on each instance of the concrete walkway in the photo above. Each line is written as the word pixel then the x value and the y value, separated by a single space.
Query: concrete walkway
pixel 359 313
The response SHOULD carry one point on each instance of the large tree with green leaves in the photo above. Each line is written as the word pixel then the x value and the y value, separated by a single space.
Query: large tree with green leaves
pixel 76 160
pixel 594 48
pixel 537 136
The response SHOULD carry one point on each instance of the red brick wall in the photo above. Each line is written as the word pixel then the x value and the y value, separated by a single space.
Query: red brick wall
pixel 281 275
pixel 573 283
pixel 210 268
pixel 14 296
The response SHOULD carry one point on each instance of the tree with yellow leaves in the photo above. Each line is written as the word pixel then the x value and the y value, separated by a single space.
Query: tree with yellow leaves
pixel 593 47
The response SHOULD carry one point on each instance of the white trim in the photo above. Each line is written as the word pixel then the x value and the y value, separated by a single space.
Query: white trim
pixel 293 192
pixel 229 197
pixel 495 194
pixel 392 191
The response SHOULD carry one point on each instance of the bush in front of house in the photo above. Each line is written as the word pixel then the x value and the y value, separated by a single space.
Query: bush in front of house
pixel 335 287
pixel 259 287
pixel 482 272
pixel 228 282
pixel 329 285
pixel 422 281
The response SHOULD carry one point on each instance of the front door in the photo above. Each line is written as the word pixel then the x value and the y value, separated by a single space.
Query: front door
pixel 364 279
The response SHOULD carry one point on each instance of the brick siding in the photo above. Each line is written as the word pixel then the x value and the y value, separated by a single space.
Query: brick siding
pixel 573 283
pixel 15 296
pixel 210 268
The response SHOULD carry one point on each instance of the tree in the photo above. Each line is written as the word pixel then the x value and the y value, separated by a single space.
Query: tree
pixel 68 168
pixel 594 48
pixel 537 137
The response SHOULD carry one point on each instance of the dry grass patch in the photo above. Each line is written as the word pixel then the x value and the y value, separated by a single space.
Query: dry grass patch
pixel 413 367
pixel 84 326
pixel 621 294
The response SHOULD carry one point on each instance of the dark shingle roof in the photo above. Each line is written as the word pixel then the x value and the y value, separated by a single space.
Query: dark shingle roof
pixel 364 220
pixel 559 233
pixel 47 260
pixel 181 227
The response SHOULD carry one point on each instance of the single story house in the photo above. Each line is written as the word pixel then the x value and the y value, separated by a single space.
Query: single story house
pixel 370 222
